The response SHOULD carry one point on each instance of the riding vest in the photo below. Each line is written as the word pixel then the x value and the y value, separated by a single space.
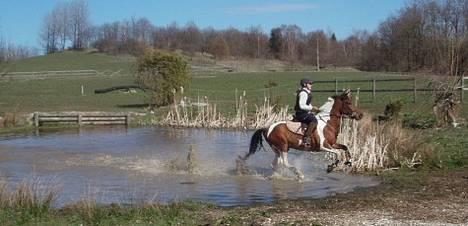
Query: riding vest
pixel 308 102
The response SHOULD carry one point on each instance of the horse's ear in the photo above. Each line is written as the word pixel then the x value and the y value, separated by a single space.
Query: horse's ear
pixel 347 92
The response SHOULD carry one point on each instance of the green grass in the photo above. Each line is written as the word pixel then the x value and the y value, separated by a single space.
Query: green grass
pixel 451 147
pixel 64 93
pixel 221 88
pixel 74 60
pixel 185 213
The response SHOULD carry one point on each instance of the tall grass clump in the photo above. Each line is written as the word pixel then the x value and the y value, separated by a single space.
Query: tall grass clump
pixel 149 212
pixel 30 200
pixel 379 146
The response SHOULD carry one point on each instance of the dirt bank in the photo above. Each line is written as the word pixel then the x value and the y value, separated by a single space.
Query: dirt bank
pixel 431 198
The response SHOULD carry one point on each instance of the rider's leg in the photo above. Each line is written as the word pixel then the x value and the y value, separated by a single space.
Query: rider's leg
pixel 310 128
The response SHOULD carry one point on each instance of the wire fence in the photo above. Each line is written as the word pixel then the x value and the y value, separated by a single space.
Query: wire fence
pixel 369 88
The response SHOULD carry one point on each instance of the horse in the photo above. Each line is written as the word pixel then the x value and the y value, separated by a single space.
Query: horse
pixel 283 135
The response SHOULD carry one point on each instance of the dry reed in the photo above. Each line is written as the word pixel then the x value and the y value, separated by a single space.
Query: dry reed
pixel 375 146
pixel 203 114
pixel 266 115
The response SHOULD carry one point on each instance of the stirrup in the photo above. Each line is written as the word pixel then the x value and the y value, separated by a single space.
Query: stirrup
pixel 306 141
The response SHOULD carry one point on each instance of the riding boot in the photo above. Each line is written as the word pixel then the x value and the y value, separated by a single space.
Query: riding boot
pixel 308 133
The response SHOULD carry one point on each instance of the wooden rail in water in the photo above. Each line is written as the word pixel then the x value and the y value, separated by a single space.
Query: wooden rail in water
pixel 81 118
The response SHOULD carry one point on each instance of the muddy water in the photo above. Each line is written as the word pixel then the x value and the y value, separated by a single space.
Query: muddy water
pixel 115 164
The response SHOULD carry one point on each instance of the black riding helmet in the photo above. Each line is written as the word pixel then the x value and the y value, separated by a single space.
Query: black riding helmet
pixel 305 81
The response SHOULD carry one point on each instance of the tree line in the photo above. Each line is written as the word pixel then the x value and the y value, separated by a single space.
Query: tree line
pixel 10 52
pixel 424 35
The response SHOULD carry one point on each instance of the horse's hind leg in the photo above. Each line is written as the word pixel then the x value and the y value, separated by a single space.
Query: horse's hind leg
pixel 298 173
pixel 276 160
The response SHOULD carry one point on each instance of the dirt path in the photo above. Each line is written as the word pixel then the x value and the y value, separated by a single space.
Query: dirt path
pixel 439 198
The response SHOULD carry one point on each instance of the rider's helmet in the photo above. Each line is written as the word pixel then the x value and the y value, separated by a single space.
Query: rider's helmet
pixel 305 81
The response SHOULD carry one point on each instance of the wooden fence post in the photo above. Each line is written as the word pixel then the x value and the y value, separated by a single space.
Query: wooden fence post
pixel 127 119
pixel 356 99
pixel 373 89
pixel 336 86
pixel 235 98
pixel 414 92
pixel 80 119
pixel 36 119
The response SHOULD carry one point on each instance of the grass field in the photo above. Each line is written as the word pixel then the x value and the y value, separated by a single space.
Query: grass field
pixel 64 93
pixel 221 88
pixel 73 60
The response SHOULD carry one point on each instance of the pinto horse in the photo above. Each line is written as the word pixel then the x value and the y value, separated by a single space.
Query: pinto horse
pixel 324 137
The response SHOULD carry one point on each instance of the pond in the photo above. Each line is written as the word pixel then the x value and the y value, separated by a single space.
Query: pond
pixel 151 164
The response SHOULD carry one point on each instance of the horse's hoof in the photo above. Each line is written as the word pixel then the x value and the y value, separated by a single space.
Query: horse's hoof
pixel 330 168
pixel 300 177
pixel 348 169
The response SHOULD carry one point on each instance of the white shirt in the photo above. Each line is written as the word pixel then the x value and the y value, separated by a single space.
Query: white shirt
pixel 303 96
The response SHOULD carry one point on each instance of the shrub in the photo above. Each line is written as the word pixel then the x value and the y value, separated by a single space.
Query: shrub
pixel 162 73
pixel 418 121
pixel 393 109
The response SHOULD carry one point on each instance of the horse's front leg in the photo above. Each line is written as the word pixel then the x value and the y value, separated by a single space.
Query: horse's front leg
pixel 335 149
pixel 346 151
pixel 274 164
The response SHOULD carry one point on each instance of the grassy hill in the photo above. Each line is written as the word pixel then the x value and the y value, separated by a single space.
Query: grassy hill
pixel 74 60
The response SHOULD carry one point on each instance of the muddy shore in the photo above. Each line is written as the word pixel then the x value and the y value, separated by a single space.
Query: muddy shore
pixel 424 198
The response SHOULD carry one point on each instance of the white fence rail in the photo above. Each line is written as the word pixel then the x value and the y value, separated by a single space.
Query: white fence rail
pixel 48 74
pixel 44 74
pixel 81 118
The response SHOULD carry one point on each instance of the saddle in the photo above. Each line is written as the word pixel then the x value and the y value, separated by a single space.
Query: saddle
pixel 296 127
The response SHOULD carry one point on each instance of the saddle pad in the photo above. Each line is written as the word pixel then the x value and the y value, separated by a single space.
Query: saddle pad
pixel 296 127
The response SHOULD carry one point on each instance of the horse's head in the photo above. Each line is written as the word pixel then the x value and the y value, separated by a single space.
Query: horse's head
pixel 344 106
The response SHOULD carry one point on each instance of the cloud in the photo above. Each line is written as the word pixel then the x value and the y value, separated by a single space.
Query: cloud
pixel 273 8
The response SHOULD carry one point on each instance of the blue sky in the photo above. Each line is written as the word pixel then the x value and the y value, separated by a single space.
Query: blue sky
pixel 20 20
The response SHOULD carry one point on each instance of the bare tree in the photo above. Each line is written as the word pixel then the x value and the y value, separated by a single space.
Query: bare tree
pixel 256 43
pixel 218 47
pixel 191 38
pixel 292 35
pixel 315 47
pixel 234 39
pixel 61 11
pixel 428 35
pixel 79 23
pixel 49 35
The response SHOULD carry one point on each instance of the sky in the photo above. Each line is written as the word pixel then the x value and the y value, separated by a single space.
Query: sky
pixel 20 20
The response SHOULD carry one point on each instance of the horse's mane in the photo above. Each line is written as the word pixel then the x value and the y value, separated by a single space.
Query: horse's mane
pixel 325 109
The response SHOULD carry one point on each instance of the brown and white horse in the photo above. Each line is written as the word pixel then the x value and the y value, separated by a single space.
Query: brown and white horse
pixel 324 137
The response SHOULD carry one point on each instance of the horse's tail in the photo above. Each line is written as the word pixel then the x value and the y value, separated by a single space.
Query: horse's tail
pixel 255 143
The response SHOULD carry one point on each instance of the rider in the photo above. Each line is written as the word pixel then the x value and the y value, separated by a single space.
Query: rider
pixel 304 109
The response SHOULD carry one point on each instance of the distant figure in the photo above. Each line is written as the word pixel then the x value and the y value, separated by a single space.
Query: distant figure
pixel 304 109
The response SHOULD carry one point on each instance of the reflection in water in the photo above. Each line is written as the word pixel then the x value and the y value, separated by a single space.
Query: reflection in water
pixel 116 164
